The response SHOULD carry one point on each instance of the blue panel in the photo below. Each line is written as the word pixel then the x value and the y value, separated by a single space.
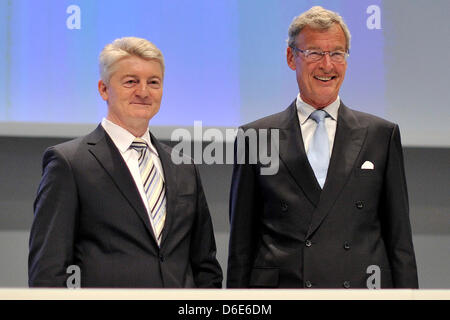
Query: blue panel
pixel 225 60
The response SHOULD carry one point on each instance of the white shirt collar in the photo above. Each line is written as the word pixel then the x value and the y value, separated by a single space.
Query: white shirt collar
pixel 122 138
pixel 304 110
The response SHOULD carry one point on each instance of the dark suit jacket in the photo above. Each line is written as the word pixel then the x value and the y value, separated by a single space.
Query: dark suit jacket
pixel 88 212
pixel 288 233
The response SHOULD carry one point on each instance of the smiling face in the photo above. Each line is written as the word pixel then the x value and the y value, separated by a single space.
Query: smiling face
pixel 319 82
pixel 133 94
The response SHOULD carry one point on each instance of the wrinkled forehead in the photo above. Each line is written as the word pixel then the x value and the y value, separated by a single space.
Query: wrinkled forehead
pixel 332 38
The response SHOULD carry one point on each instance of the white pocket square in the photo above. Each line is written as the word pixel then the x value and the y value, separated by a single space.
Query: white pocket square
pixel 367 166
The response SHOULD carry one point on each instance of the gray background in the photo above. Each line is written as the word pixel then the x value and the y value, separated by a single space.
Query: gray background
pixel 427 171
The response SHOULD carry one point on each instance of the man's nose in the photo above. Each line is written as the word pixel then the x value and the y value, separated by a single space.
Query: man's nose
pixel 142 90
pixel 326 62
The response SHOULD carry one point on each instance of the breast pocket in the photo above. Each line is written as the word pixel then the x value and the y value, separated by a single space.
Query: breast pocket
pixel 365 172
pixel 367 175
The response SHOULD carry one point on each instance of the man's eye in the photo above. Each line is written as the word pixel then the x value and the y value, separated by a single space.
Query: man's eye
pixel 315 53
pixel 129 83
pixel 155 84
pixel 336 53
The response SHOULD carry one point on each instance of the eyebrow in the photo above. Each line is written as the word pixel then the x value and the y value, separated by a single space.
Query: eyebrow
pixel 129 75
pixel 135 76
pixel 318 48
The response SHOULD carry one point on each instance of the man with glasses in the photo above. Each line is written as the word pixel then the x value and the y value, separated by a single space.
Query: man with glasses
pixel 335 215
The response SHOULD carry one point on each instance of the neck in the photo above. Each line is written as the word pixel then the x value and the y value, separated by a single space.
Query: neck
pixel 136 128
pixel 317 104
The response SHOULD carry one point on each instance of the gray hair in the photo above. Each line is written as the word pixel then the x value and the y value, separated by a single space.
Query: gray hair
pixel 316 18
pixel 126 47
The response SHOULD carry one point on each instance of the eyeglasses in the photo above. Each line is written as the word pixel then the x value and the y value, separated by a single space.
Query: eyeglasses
pixel 317 55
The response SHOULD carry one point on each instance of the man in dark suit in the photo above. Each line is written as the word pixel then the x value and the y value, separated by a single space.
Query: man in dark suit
pixel 335 215
pixel 113 204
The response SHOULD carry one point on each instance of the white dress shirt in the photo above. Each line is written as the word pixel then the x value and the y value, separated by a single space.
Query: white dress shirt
pixel 308 126
pixel 123 139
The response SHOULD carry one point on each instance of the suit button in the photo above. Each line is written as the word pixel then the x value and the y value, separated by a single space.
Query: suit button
pixel 284 207
pixel 346 284
pixel 346 246
pixel 161 258
pixel 308 284
pixel 308 243
pixel 359 204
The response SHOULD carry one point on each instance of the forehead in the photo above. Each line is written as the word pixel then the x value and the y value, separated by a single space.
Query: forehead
pixel 138 67
pixel 329 39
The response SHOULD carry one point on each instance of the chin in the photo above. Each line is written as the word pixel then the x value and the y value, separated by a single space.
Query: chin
pixel 324 102
pixel 326 95
pixel 144 114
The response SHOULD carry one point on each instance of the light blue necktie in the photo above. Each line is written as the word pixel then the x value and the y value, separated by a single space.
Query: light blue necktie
pixel 319 150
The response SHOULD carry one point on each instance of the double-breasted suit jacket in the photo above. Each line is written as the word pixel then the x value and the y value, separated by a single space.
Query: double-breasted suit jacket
pixel 286 232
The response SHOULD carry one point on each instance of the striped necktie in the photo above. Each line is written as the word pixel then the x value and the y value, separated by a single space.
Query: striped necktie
pixel 319 149
pixel 153 187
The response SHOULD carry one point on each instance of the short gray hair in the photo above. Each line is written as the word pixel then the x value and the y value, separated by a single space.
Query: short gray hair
pixel 126 47
pixel 316 18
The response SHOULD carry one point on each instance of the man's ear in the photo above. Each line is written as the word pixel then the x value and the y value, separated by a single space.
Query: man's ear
pixel 290 58
pixel 103 90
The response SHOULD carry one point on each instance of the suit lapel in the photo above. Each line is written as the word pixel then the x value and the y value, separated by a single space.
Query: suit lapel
pixel 103 149
pixel 170 179
pixel 349 138
pixel 293 154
